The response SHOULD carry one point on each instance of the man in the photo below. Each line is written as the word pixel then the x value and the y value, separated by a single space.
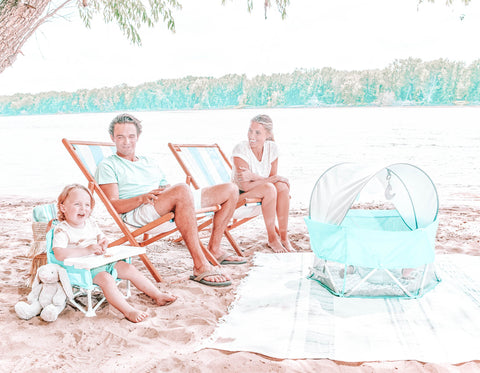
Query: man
pixel 138 190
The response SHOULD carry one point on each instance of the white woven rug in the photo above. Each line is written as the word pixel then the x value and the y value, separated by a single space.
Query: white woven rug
pixel 280 313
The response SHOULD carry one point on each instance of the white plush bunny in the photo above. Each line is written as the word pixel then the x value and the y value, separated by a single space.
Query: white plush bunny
pixel 48 297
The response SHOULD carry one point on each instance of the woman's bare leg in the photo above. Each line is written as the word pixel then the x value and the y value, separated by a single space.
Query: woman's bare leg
pixel 283 209
pixel 268 193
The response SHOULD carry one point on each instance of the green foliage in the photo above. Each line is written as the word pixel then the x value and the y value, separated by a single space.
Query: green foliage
pixel 403 82
pixel 281 6
pixel 130 15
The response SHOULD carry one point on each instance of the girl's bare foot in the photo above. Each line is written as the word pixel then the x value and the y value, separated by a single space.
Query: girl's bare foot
pixel 287 245
pixel 136 316
pixel 164 299
pixel 276 246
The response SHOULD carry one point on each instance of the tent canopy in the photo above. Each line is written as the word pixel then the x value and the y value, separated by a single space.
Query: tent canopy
pixel 407 187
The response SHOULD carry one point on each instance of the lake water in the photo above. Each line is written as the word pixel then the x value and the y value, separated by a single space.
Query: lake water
pixel 444 142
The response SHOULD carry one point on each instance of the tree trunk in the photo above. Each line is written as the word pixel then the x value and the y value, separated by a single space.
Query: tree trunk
pixel 19 19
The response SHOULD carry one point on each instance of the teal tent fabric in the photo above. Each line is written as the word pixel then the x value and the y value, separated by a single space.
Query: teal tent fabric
pixel 371 246
pixel 385 244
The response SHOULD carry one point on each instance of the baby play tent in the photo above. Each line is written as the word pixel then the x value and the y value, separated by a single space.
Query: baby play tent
pixel 373 230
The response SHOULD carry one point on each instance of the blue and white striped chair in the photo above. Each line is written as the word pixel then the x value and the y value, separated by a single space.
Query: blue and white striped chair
pixel 87 155
pixel 207 165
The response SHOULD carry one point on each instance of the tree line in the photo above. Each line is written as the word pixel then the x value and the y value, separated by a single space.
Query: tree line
pixel 403 82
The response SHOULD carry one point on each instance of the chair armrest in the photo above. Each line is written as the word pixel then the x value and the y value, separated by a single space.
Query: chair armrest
pixel 246 201
pixel 205 210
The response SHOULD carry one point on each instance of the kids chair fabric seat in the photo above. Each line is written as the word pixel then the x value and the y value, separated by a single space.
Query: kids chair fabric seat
pixel 206 165
pixel 372 229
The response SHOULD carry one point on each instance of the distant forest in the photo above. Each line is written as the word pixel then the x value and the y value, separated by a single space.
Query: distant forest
pixel 403 82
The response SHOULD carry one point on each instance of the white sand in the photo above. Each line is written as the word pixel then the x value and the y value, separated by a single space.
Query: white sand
pixel 166 341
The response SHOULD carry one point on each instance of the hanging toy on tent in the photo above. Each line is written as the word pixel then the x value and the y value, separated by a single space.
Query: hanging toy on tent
pixel 388 190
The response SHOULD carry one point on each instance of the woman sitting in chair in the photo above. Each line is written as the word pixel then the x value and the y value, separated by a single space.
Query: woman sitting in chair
pixel 77 235
pixel 255 164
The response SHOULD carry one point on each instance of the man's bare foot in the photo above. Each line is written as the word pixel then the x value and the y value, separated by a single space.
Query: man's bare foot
pixel 287 245
pixel 164 299
pixel 215 278
pixel 226 258
pixel 136 316
pixel 276 246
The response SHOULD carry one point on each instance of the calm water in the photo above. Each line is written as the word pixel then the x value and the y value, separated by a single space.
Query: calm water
pixel 444 142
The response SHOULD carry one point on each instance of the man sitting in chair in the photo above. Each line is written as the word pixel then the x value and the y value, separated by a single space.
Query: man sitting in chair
pixel 137 189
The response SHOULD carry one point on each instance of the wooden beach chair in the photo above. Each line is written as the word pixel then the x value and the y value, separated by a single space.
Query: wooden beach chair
pixel 207 165
pixel 87 155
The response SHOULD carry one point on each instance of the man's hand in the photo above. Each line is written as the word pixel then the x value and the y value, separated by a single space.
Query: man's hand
pixel 150 197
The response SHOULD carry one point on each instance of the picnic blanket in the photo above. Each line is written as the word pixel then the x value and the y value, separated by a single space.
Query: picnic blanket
pixel 281 313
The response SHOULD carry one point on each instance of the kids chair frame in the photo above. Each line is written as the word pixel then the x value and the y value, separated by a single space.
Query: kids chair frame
pixel 81 279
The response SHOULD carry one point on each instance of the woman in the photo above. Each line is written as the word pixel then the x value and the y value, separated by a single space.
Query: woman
pixel 255 164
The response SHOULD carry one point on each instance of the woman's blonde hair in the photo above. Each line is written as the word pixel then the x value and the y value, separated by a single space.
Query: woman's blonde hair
pixel 63 196
pixel 267 123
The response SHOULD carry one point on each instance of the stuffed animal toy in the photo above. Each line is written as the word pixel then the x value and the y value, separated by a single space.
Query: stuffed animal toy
pixel 50 290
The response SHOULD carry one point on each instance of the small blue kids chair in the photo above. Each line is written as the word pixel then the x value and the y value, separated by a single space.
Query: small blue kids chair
pixel 82 280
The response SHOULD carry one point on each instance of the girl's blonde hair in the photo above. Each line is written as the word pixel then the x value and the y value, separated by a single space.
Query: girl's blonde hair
pixel 267 123
pixel 63 196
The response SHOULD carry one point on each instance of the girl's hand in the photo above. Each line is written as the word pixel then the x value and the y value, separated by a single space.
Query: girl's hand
pixel 96 249
pixel 103 242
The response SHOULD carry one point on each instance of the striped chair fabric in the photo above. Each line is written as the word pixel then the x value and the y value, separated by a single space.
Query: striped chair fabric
pixel 207 166
pixel 92 155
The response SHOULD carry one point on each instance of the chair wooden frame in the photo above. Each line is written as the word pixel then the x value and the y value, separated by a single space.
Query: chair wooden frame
pixel 177 149
pixel 138 237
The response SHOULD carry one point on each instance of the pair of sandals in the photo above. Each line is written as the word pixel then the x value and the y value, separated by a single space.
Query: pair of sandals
pixel 223 261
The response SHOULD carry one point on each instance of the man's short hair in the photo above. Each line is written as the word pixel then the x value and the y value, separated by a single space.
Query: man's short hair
pixel 125 118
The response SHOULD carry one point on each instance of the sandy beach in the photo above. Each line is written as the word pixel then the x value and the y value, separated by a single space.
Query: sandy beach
pixel 168 340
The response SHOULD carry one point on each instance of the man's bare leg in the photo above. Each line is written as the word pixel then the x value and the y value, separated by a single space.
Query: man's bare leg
pixel 225 195
pixel 178 198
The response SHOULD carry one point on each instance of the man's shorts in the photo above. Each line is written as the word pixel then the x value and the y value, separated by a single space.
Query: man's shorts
pixel 146 213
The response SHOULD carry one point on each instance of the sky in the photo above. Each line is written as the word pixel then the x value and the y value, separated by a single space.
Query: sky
pixel 215 40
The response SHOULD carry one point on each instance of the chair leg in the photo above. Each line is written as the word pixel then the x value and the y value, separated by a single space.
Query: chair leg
pixel 128 290
pixel 209 255
pixel 233 243
pixel 150 267
pixel 90 311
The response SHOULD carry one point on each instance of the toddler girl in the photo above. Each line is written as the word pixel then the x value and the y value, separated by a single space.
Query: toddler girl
pixel 77 235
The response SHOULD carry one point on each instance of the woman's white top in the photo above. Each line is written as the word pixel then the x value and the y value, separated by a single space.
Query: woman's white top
pixel 262 167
